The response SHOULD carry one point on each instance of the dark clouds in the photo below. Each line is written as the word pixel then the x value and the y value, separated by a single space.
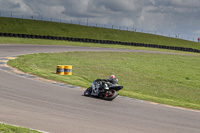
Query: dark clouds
pixel 167 16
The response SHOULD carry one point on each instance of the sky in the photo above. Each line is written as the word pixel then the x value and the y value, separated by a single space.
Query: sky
pixel 173 18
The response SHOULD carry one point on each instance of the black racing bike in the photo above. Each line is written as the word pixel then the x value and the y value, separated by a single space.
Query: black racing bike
pixel 102 88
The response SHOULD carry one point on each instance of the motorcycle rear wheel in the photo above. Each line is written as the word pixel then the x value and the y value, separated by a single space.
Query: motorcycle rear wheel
pixel 110 95
pixel 88 92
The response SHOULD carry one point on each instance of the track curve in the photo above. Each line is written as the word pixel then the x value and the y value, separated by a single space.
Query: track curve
pixel 58 109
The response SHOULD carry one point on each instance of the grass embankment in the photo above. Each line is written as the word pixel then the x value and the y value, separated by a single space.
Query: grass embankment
pixel 12 129
pixel 162 78
pixel 13 25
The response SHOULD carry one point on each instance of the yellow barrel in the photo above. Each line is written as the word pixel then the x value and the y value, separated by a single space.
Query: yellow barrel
pixel 60 70
pixel 68 70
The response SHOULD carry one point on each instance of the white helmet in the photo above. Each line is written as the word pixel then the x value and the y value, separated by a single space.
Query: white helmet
pixel 111 77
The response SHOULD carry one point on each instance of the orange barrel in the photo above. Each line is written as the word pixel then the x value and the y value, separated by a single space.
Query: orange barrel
pixel 60 70
pixel 68 70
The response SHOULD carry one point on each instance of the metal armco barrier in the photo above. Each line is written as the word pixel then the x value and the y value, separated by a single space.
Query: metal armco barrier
pixel 98 41
pixel 60 69
pixel 68 70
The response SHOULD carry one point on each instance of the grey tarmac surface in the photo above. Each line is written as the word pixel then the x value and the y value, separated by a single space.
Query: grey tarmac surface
pixel 56 109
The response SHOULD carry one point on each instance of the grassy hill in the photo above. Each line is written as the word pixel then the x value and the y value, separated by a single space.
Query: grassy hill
pixel 24 26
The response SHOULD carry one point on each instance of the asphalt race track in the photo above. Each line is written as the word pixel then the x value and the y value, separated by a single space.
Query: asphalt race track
pixel 38 105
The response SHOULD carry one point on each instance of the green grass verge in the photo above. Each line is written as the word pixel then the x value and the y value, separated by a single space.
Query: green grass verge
pixel 161 78
pixel 4 128
pixel 13 25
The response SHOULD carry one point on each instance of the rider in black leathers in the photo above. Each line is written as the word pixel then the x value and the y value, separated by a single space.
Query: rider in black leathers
pixel 112 81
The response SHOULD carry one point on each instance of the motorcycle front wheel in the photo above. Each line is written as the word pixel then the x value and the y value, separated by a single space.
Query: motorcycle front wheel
pixel 88 92
pixel 110 95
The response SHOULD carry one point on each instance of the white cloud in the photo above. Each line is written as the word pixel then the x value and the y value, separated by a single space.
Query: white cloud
pixel 174 16
pixel 197 32
pixel 17 6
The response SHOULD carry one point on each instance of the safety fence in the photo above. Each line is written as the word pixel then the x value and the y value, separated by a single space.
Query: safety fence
pixel 98 41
